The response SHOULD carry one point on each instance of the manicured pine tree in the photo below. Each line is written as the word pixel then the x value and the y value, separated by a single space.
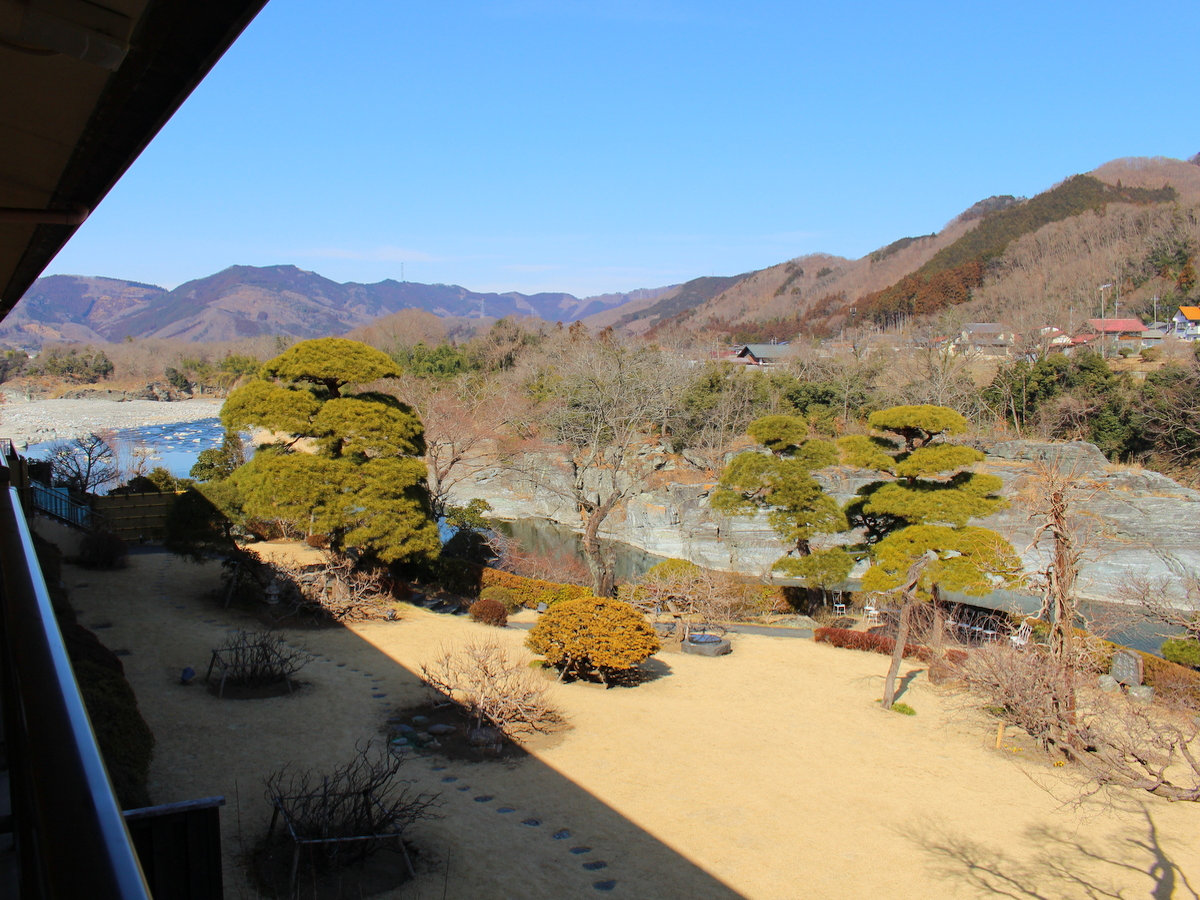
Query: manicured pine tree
pixel 916 518
pixel 343 461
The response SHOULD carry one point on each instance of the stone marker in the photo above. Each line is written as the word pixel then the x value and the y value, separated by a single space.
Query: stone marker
pixel 1127 668
pixel 1108 684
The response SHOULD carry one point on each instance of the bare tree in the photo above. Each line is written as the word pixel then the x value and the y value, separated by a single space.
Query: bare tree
pixel 604 414
pixel 84 464
pixel 1114 741
pixel 462 418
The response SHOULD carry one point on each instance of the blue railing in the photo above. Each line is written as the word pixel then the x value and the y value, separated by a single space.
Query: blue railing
pixel 70 838
pixel 58 503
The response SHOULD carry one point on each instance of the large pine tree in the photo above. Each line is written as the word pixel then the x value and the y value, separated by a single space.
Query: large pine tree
pixel 342 460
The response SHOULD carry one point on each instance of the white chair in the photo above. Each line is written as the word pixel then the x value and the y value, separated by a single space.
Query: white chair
pixel 839 607
pixel 1020 638
pixel 870 613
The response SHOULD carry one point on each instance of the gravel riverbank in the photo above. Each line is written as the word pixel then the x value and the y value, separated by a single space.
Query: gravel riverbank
pixel 34 421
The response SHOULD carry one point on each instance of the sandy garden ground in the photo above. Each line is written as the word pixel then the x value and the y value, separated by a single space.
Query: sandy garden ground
pixel 767 773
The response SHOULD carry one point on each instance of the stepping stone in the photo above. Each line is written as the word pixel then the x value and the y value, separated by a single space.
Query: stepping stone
pixel 578 850
pixel 484 798
pixel 595 864
pixel 465 787
pixel 532 823
pixel 438 768
pixel 378 696
pixel 341 665
pixel 450 779
pixel 562 835
pixel 505 809
pixel 606 885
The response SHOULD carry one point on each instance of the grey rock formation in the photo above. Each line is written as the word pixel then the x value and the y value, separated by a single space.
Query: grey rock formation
pixel 1136 522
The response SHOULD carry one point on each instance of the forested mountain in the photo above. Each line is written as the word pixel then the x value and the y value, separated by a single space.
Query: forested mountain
pixel 246 301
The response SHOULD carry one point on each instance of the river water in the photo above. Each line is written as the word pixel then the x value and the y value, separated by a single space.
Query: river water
pixel 173 446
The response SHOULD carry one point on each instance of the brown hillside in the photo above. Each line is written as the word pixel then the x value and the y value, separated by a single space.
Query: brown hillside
pixel 818 284
pixel 1154 172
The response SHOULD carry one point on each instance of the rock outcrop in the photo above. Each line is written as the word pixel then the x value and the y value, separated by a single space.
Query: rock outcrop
pixel 1136 522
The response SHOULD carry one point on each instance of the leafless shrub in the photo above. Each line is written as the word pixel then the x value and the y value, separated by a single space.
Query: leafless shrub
pixel 493 687
pixel 336 588
pixel 258 659
pixel 562 567
pixel 1115 741
pixel 346 814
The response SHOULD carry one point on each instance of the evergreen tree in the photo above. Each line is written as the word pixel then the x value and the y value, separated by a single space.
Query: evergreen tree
pixel 918 515
pixel 780 482
pixel 344 461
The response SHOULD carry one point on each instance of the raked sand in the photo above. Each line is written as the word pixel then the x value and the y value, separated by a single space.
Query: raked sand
pixel 769 773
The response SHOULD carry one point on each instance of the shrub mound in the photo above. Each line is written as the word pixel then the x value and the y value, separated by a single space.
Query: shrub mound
pixel 529 592
pixel 501 595
pixel 593 634
pixel 102 550
pixel 489 612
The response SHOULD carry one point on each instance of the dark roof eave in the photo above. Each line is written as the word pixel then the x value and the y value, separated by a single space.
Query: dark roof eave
pixel 173 47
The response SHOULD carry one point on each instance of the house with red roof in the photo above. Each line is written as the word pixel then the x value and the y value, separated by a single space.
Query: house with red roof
pixel 1117 333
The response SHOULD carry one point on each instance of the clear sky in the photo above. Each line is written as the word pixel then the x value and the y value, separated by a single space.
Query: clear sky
pixel 606 146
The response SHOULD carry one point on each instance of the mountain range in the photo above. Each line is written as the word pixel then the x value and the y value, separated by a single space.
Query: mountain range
pixel 1134 223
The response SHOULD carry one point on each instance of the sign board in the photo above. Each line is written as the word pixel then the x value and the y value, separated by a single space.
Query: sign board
pixel 1127 668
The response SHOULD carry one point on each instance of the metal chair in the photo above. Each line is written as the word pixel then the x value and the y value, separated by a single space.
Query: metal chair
pixel 870 613
pixel 839 607
pixel 1020 638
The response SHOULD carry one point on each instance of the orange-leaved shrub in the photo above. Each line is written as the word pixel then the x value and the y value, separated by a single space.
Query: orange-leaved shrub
pixel 529 592
pixel 593 634
pixel 489 612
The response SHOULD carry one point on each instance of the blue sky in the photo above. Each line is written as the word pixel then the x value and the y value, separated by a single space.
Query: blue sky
pixel 606 146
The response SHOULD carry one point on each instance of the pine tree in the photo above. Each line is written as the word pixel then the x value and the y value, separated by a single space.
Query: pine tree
pixel 344 461
pixel 917 518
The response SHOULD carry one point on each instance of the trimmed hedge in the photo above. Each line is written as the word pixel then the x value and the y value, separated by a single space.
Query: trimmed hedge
pixel 489 612
pixel 529 592
pixel 880 643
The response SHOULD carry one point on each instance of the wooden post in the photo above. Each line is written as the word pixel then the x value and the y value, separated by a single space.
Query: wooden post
pixel 1000 735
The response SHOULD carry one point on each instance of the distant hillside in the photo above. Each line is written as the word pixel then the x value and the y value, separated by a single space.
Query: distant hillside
pixel 248 301
pixel 1132 223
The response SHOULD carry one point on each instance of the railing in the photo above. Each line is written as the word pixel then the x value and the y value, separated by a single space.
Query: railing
pixel 54 502
pixel 70 837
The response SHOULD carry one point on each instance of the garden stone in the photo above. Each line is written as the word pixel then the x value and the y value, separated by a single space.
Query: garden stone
pixel 1141 692
pixel 1108 684
pixel 441 729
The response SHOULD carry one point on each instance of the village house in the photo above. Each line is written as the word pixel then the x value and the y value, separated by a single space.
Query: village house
pixel 1185 324
pixel 1116 334
pixel 985 339
pixel 763 354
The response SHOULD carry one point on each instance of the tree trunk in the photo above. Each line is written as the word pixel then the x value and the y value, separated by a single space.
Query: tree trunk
pixel 603 577
pixel 889 685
